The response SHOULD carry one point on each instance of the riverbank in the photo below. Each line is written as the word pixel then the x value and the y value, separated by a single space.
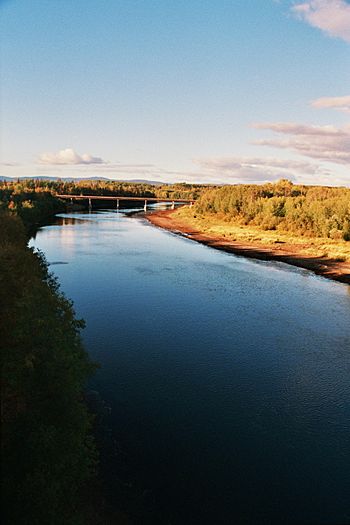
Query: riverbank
pixel 303 255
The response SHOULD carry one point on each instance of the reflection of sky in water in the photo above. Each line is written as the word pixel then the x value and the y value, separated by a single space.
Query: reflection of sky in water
pixel 229 373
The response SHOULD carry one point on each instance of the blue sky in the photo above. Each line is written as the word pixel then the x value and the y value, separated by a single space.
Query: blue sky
pixel 186 90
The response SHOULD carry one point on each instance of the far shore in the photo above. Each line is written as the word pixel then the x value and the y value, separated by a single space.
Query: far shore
pixel 286 253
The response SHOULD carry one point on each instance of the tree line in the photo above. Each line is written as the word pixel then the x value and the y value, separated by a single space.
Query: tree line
pixel 47 450
pixel 34 200
pixel 317 211
pixel 311 211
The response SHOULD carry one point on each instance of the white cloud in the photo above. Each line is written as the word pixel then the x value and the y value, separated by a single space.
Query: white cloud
pixel 331 16
pixel 326 143
pixel 339 103
pixel 68 157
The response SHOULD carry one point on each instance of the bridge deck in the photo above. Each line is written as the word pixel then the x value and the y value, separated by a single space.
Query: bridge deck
pixel 122 198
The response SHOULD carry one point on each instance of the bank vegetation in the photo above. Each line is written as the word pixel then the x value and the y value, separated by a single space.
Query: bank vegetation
pixel 47 451
pixel 315 218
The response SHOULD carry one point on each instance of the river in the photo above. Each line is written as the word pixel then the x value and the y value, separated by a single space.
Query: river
pixel 227 379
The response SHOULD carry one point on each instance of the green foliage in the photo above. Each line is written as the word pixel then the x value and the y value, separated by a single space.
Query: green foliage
pixel 33 204
pixel 312 211
pixel 303 210
pixel 26 195
pixel 47 451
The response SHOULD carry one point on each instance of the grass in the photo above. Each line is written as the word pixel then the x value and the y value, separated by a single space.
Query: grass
pixel 220 227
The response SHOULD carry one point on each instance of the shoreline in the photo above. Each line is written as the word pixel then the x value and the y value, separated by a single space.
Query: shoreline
pixel 323 266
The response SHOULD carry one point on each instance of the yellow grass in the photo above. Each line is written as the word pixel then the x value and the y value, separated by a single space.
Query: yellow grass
pixel 216 226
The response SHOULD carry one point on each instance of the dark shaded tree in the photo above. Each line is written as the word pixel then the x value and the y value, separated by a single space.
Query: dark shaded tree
pixel 47 450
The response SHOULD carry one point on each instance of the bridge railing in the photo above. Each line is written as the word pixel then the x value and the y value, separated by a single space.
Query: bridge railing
pixel 123 197
pixel 118 198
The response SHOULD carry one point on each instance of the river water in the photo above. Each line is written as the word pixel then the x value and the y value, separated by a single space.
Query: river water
pixel 227 378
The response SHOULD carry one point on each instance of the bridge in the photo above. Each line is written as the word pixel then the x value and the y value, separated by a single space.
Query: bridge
pixel 118 198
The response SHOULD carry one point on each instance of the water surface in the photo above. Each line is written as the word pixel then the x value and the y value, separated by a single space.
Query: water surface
pixel 227 378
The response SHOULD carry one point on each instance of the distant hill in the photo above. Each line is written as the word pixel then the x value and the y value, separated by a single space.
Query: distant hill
pixel 144 181
pixel 79 179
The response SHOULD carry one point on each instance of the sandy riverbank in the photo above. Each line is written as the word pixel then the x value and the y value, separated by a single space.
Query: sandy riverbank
pixel 287 253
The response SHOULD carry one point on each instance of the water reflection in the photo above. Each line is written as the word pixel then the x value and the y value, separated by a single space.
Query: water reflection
pixel 65 220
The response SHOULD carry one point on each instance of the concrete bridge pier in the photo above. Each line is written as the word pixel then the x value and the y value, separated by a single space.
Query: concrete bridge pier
pixel 117 204
pixel 173 205
pixel 191 204
pixel 145 206
pixel 90 205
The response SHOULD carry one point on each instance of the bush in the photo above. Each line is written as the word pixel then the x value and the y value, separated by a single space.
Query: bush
pixel 302 210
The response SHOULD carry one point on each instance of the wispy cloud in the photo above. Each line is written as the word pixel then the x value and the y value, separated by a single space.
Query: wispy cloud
pixel 331 16
pixel 326 143
pixel 115 170
pixel 339 103
pixel 213 170
pixel 68 157
pixel 292 128
pixel 256 169
pixel 237 163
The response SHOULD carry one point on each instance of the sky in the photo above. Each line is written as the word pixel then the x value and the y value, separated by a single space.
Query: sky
pixel 209 91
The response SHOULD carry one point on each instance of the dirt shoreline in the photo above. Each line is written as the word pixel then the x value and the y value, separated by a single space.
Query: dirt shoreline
pixel 327 267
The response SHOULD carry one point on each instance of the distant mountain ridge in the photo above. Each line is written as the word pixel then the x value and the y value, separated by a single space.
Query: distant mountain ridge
pixel 80 179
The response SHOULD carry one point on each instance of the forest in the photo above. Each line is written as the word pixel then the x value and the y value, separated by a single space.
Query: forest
pixel 310 211
pixel 48 454
pixel 34 200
